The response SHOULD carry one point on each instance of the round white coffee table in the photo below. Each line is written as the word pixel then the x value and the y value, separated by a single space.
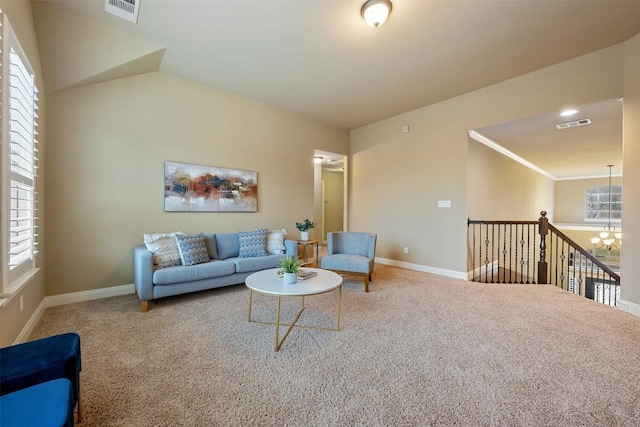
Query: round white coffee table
pixel 266 282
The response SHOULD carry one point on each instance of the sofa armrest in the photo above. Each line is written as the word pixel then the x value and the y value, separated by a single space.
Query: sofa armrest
pixel 143 272
pixel 291 248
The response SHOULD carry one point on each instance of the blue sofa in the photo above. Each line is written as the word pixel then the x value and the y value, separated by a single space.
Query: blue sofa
pixel 28 374
pixel 225 268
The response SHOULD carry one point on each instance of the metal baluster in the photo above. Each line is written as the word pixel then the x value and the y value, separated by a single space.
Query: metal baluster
pixel 511 252
pixel 522 242
pixel 473 256
pixel 493 234
pixel 486 261
pixel 504 256
pixel 528 252
pixel 535 267
pixel 562 268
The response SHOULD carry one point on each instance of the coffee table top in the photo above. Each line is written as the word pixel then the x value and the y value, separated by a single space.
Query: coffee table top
pixel 267 282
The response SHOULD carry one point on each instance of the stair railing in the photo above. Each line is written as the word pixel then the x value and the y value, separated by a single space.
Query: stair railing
pixel 531 252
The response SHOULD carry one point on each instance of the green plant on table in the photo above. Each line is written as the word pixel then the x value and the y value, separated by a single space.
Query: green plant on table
pixel 290 264
pixel 305 225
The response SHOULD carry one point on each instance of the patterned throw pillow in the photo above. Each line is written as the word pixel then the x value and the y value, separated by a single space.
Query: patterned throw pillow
pixel 193 249
pixel 275 241
pixel 253 243
pixel 164 249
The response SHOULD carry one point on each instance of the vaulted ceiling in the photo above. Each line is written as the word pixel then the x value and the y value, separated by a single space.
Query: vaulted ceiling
pixel 318 57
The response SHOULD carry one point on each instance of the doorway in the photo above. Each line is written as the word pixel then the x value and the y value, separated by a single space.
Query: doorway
pixel 330 193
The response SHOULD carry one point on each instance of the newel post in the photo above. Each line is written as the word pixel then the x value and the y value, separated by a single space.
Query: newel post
pixel 543 227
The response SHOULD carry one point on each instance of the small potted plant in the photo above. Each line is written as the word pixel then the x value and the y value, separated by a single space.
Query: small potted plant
pixel 291 267
pixel 304 228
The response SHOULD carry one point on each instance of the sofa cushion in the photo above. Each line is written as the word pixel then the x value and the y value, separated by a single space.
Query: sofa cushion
pixel 253 243
pixel 49 403
pixel 164 248
pixel 207 270
pixel 228 245
pixel 245 265
pixel 193 249
pixel 275 241
pixel 212 247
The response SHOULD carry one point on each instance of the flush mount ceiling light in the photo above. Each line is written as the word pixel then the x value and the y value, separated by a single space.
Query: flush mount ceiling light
pixel 569 112
pixel 376 12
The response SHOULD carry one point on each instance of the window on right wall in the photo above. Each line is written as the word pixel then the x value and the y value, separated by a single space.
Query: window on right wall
pixel 598 201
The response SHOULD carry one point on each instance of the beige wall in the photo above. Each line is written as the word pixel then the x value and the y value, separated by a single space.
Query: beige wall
pixel 397 178
pixel 499 188
pixel 630 273
pixel 105 182
pixel 570 198
pixel 12 320
pixel 334 208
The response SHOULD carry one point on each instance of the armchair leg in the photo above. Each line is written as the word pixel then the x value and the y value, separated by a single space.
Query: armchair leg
pixel 366 282
pixel 145 306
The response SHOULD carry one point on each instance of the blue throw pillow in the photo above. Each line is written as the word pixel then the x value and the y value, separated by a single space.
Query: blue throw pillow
pixel 193 249
pixel 253 243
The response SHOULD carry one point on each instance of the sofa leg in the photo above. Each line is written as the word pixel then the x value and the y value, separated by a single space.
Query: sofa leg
pixel 145 306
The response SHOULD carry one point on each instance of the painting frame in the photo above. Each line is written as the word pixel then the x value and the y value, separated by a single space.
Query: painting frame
pixel 192 187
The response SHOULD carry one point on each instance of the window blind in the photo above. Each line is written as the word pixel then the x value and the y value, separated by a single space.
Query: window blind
pixel 22 134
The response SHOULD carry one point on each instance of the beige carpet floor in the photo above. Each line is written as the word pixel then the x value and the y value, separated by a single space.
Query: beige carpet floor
pixel 418 350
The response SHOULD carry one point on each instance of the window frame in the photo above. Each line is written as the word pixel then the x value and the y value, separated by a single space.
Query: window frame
pixel 616 190
pixel 13 278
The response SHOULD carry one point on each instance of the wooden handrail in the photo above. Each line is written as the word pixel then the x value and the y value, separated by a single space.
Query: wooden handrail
pixel 586 254
pixel 476 221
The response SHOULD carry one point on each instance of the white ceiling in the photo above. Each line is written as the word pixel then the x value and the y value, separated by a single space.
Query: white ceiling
pixel 583 151
pixel 319 58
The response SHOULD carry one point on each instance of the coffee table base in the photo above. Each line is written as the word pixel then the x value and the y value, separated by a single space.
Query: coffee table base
pixel 278 342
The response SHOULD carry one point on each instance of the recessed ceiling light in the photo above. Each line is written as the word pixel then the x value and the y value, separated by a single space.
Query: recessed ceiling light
pixel 570 112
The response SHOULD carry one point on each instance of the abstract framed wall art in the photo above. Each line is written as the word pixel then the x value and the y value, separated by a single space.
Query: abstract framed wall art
pixel 197 188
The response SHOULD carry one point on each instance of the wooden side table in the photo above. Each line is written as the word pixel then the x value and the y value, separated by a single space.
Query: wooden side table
pixel 305 244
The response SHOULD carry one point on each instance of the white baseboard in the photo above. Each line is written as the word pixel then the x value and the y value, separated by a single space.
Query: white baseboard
pixel 629 307
pixel 478 271
pixel 71 298
pixel 31 324
pixel 424 268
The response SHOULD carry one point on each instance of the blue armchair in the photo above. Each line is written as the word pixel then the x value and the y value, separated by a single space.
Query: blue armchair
pixel 351 252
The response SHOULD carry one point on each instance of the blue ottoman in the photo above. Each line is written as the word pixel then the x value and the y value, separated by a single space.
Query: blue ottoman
pixel 46 404
pixel 34 362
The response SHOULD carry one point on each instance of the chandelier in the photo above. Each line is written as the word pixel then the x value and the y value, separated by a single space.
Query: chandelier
pixel 609 238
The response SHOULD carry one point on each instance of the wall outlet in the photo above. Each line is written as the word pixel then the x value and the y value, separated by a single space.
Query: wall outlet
pixel 406 250
pixel 21 302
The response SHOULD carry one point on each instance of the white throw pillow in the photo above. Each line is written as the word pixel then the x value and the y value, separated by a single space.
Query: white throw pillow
pixel 275 241
pixel 164 248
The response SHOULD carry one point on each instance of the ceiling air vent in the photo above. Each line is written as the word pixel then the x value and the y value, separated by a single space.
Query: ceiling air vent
pixel 574 123
pixel 125 9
